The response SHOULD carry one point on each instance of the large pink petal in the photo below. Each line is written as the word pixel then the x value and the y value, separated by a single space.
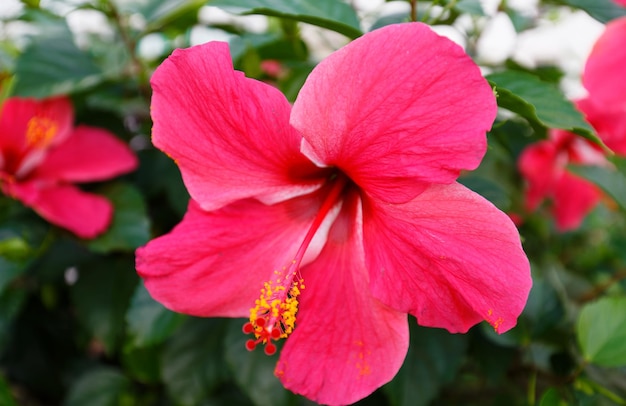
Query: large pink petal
pixel 574 198
pixel 29 126
pixel 449 257
pixel 89 154
pixel 346 343
pixel 397 108
pixel 215 263
pixel 84 214
pixel 538 165
pixel 230 135
pixel 604 75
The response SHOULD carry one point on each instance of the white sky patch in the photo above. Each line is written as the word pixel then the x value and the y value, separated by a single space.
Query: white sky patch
pixel 152 46
pixel 85 23
pixel 451 33
pixel 565 43
pixel 497 41
pixel 210 15
pixel 10 9
pixel 200 34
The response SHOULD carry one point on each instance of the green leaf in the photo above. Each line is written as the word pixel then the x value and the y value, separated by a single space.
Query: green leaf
pixel 253 370
pixel 541 103
pixel 99 387
pixel 551 397
pixel 101 298
pixel 9 270
pixel 6 398
pixel 150 323
pixel 54 65
pixel 130 227
pixel 612 181
pixel 470 7
pixel 142 364
pixel 601 331
pixel 433 360
pixel 334 15
pixel 192 365
pixel 601 10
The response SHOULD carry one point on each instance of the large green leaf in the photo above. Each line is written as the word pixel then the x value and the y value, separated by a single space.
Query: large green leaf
pixel 601 10
pixel 53 65
pixel 433 360
pixel 253 370
pixel 150 323
pixel 99 387
pixel 130 227
pixel 539 102
pixel 332 14
pixel 611 180
pixel 102 296
pixel 601 331
pixel 192 365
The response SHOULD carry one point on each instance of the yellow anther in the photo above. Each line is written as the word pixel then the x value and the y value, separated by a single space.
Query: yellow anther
pixel 40 131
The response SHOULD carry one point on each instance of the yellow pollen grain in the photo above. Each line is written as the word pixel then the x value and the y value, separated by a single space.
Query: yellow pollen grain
pixel 40 131
pixel 278 307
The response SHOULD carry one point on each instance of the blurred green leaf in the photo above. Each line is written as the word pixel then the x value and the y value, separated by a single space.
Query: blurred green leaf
pixel 6 398
pixel 334 15
pixel 253 370
pixel 551 397
pixel 102 295
pixel 601 331
pixel 143 364
pixel 539 102
pixel 601 10
pixel 472 7
pixel 159 13
pixel 192 364
pixel 150 323
pixel 130 227
pixel 612 181
pixel 99 387
pixel 14 248
pixel 433 360
pixel 53 65
pixel 9 270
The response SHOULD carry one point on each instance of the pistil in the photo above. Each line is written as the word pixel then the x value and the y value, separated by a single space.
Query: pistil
pixel 274 314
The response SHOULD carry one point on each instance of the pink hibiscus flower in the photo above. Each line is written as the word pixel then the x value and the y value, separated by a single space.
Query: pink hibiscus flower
pixel 42 154
pixel 341 213
pixel 543 165
pixel 605 80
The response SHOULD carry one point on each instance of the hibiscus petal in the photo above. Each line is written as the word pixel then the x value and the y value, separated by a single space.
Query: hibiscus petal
pixel 346 343
pixel 215 263
pixel 538 165
pixel 394 109
pixel 29 126
pixel 604 71
pixel 84 214
pixel 89 154
pixel 610 123
pixel 449 257
pixel 230 135
pixel 574 198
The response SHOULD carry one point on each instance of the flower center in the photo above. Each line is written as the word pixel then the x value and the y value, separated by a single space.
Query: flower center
pixel 273 315
pixel 40 131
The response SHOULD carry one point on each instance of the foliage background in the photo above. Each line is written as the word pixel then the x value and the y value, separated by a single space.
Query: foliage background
pixel 78 328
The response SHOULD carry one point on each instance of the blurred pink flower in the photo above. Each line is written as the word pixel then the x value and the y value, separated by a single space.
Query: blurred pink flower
pixel 605 80
pixel 622 2
pixel 543 165
pixel 42 155
pixel 343 211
